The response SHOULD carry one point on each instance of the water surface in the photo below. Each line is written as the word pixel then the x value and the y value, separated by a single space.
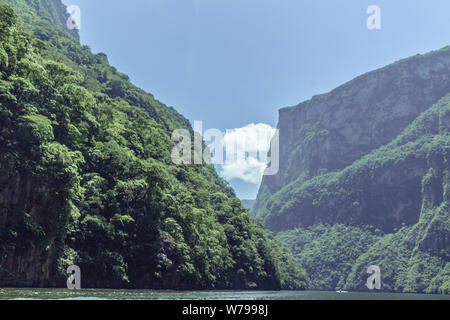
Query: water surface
pixel 103 294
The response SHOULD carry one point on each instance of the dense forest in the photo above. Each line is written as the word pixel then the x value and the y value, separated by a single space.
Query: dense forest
pixel 365 180
pixel 86 177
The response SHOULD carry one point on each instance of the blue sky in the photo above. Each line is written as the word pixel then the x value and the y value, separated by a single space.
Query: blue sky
pixel 236 62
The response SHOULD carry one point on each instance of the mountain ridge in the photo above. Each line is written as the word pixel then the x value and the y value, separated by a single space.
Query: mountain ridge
pixel 303 119
pixel 366 166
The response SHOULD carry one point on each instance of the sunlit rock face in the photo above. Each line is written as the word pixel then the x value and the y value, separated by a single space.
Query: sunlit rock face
pixel 330 132
pixel 365 177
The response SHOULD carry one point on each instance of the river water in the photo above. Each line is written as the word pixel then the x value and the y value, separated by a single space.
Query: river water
pixel 96 294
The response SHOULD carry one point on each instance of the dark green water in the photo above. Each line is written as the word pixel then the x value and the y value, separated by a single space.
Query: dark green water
pixel 95 294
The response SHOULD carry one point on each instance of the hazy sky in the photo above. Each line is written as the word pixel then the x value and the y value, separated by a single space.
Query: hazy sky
pixel 236 62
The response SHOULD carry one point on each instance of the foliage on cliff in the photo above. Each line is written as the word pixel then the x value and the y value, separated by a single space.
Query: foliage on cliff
pixel 86 178
pixel 389 208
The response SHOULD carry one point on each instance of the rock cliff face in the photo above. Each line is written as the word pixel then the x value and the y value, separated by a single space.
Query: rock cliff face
pixel 371 153
pixel 22 259
pixel 55 12
pixel 332 131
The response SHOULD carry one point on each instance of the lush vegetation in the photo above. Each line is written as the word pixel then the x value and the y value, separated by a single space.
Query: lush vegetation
pixel 329 252
pixel 363 179
pixel 410 246
pixel 376 183
pixel 86 178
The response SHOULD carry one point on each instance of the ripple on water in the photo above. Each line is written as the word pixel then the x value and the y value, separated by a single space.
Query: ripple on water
pixel 105 294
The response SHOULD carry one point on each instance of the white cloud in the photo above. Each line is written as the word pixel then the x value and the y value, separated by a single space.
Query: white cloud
pixel 250 145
